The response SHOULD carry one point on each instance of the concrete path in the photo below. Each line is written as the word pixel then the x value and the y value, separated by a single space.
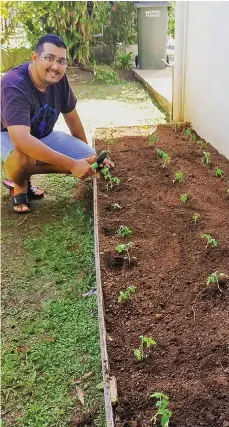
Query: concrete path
pixel 159 83
pixel 102 113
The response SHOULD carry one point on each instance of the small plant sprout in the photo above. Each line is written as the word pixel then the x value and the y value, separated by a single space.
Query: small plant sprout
pixel 108 177
pixel 206 159
pixel 196 217
pixel 124 231
pixel 164 156
pixel 210 240
pixel 162 409
pixel 187 133
pixel 202 143
pixel 153 139
pixel 179 177
pixel 146 342
pixel 215 279
pixel 218 172
pixel 184 198
pixel 126 295
pixel 116 206
pixel 125 248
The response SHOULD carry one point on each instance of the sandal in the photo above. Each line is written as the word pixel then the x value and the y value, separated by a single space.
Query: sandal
pixel 33 192
pixel 19 199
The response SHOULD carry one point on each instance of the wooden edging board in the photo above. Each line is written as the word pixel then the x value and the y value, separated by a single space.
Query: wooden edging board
pixel 110 385
pixel 108 382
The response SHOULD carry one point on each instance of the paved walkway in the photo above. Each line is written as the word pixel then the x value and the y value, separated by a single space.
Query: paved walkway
pixel 96 113
pixel 159 83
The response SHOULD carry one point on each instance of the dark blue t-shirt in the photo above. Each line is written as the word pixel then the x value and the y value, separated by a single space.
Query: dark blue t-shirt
pixel 23 104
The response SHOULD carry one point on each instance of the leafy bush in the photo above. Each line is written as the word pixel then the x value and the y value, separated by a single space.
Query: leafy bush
pixel 13 57
pixel 104 74
pixel 123 60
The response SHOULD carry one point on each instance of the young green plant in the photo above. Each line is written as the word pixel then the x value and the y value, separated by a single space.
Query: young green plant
pixel 124 248
pixel 153 139
pixel 184 198
pixel 108 177
pixel 164 156
pixel 146 342
pixel 124 231
pixel 215 279
pixel 179 177
pixel 196 217
pixel 163 412
pixel 127 294
pixel 218 172
pixel 210 240
pixel 206 159
pixel 187 133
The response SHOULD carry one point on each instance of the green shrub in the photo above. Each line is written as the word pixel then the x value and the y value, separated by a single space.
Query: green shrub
pixel 103 74
pixel 123 60
pixel 12 57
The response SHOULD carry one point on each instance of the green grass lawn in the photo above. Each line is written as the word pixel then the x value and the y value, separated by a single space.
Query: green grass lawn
pixel 50 330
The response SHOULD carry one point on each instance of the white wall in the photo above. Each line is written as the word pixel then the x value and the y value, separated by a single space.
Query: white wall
pixel 204 52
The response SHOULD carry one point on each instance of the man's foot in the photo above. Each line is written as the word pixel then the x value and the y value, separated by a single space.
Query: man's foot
pixel 33 192
pixel 19 203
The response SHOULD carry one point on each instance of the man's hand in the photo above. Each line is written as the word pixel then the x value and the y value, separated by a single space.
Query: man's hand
pixel 82 169
pixel 108 163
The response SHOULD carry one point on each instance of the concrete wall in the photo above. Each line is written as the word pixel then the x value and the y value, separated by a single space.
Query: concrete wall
pixel 201 78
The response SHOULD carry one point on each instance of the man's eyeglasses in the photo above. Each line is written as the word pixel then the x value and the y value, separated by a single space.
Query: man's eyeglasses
pixel 51 59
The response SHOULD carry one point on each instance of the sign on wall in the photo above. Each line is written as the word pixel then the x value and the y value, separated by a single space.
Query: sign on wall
pixel 152 13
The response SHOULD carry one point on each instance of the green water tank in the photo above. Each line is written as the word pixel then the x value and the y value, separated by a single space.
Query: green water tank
pixel 152 34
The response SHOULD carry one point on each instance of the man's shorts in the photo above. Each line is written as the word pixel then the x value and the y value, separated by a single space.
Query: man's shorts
pixel 59 141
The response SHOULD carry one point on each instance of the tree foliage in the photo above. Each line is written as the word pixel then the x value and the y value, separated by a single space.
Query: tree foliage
pixel 120 24
pixel 75 22
pixel 171 26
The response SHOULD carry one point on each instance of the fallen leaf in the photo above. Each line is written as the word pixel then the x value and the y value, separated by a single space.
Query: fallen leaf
pixel 80 394
pixel 87 375
pixel 86 385
pixel 84 377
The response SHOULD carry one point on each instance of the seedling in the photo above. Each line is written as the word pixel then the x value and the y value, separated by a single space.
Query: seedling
pixel 206 159
pixel 164 156
pixel 218 172
pixel 148 341
pixel 196 217
pixel 124 231
pixel 163 412
pixel 111 179
pixel 216 278
pixel 125 248
pixel 179 177
pixel 153 139
pixel 116 206
pixel 202 143
pixel 210 240
pixel 187 133
pixel 126 295
pixel 183 198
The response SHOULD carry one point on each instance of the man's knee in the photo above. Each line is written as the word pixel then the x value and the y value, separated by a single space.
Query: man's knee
pixel 18 160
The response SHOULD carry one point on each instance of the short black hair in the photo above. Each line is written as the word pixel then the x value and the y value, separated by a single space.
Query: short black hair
pixel 49 38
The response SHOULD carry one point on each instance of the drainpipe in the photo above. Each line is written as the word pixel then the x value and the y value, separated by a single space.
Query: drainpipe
pixel 184 61
pixel 180 60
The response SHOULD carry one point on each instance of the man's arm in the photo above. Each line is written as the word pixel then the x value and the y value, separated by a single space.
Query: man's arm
pixel 75 126
pixel 33 147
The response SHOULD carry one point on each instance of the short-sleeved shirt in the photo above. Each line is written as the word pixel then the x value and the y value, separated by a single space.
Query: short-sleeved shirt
pixel 23 104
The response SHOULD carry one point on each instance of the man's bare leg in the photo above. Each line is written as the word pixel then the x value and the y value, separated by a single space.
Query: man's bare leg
pixel 19 167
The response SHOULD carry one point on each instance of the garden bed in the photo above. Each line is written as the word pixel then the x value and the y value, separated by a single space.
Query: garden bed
pixel 169 265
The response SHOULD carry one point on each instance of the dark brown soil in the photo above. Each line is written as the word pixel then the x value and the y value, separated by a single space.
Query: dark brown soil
pixel 188 320
pixel 78 76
